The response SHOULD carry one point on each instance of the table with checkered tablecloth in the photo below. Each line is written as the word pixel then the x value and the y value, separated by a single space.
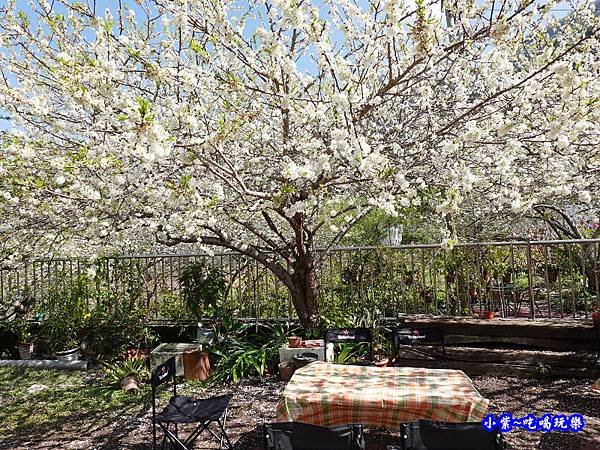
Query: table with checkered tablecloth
pixel 335 394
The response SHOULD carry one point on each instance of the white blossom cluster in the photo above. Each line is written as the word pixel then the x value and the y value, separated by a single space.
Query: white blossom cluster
pixel 259 126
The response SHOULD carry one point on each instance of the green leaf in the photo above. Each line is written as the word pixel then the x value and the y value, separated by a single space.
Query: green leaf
pixel 184 182
pixel 143 105
pixel 22 15
pixel 198 49
pixel 107 24
pixel 287 189
pixel 132 52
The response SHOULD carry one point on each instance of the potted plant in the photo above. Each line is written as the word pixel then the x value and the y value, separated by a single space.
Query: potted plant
pixel 59 336
pixel 203 289
pixel 71 351
pixel 25 340
pixel 487 309
pixel 127 374
pixel 382 348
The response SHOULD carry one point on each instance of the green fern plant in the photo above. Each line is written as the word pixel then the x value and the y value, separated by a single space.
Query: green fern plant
pixel 349 352
pixel 543 370
pixel 136 367
pixel 240 353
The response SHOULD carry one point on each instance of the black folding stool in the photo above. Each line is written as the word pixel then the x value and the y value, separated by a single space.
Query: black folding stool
pixel 181 409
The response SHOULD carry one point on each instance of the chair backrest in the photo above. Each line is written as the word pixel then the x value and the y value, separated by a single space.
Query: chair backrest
pixel 163 373
pixel 160 375
pixel 430 435
pixel 349 335
pixel 304 436
pixel 418 336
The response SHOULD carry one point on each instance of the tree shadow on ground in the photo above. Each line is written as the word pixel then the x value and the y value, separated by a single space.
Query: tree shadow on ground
pixel 250 440
pixel 66 405
pixel 63 412
pixel 571 441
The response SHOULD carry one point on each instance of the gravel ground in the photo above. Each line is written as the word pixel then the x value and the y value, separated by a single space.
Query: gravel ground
pixel 524 396
pixel 254 403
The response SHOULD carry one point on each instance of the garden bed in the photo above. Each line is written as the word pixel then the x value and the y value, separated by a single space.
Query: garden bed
pixel 73 410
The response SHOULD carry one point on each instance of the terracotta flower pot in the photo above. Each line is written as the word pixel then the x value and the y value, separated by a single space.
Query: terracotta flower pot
pixel 488 315
pixel 286 370
pixel 382 363
pixel 294 341
pixel 596 317
pixel 25 349
pixel 196 365
pixel 130 384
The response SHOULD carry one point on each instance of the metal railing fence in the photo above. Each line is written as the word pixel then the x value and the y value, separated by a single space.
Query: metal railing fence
pixel 533 279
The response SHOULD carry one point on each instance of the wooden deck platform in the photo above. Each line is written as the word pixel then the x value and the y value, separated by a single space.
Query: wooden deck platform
pixel 518 347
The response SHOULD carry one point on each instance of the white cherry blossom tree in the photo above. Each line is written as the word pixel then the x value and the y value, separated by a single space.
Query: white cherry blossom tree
pixel 267 127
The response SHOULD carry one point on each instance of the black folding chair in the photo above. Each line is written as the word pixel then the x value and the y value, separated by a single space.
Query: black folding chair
pixel 304 436
pixel 419 336
pixel 181 410
pixel 430 435
pixel 350 335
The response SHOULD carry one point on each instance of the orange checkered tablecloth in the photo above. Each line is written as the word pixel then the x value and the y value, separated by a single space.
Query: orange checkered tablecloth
pixel 335 394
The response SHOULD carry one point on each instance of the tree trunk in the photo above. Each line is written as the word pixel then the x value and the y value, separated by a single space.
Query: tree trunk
pixel 305 291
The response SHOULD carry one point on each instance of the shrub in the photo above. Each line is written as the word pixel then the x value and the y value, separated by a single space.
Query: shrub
pixel 78 313
pixel 20 328
pixel 116 372
pixel 62 315
pixel 203 289
pixel 113 325
pixel 241 353
pixel 171 306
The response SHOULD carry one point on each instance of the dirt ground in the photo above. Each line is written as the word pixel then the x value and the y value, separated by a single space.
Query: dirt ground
pixel 254 403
